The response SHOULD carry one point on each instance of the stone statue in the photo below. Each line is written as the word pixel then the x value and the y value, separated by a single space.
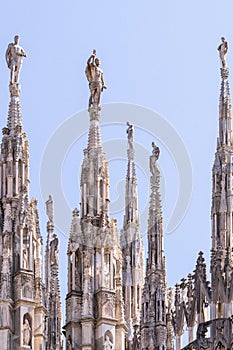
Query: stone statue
pixel 69 343
pixel 7 227
pixel 130 131
pixel 4 286
pixel 26 332
pixel 155 151
pixel 95 77
pixel 54 250
pixel 49 208
pixel 108 345
pixel 14 54
pixel 25 258
pixel 154 158
pixel 223 48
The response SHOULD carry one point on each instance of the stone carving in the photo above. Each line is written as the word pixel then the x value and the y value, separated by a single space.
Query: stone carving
pixel 69 343
pixel 26 332
pixel 87 304
pixel 95 78
pixel 87 298
pixel 155 151
pixel 106 275
pixel 130 132
pixel 223 48
pixel 86 264
pixel 54 250
pixel 49 208
pixel 77 308
pixel 108 305
pixel 5 244
pixel 5 286
pixel 154 158
pixel 25 258
pixel 7 227
pixel 108 345
pixel 14 54
pixel 26 285
pixel 5 316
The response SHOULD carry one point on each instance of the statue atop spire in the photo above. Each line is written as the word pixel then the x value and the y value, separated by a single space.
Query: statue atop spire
pixel 223 48
pixel 130 133
pixel 14 54
pixel 95 78
pixel 49 209
pixel 153 158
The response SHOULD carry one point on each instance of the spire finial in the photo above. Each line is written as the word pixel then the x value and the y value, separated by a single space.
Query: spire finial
pixel 223 48
pixel 14 55
pixel 95 78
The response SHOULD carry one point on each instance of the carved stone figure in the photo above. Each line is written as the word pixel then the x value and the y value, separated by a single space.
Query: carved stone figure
pixel 25 258
pixel 49 208
pixel 223 48
pixel 26 332
pixel 106 275
pixel 154 158
pixel 108 345
pixel 5 286
pixel 69 343
pixel 7 227
pixel 95 78
pixel 155 151
pixel 54 250
pixel 14 54
pixel 130 135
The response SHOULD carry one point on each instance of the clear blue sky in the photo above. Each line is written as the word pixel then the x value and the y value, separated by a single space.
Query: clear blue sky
pixel 158 54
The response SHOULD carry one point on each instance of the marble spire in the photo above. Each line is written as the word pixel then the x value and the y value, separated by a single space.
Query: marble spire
pixel 153 322
pixel 222 198
pixel 21 286
pixel 52 284
pixel 132 249
pixel 94 303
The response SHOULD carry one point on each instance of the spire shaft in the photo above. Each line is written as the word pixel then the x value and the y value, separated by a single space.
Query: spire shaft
pixel 132 249
pixel 131 192
pixel 222 194
pixel 225 111
pixel 153 323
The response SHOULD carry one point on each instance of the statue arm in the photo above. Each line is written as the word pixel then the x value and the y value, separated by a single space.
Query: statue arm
pixel 102 81
pixel 7 55
pixel 23 53
pixel 88 70
pixel 90 60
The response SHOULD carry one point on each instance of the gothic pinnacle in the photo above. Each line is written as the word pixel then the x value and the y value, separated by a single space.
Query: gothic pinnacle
pixel 14 55
pixel 225 112
pixel 131 197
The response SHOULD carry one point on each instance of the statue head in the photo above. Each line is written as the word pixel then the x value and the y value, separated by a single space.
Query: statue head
pixel 223 39
pixel 16 39
pixel 97 61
